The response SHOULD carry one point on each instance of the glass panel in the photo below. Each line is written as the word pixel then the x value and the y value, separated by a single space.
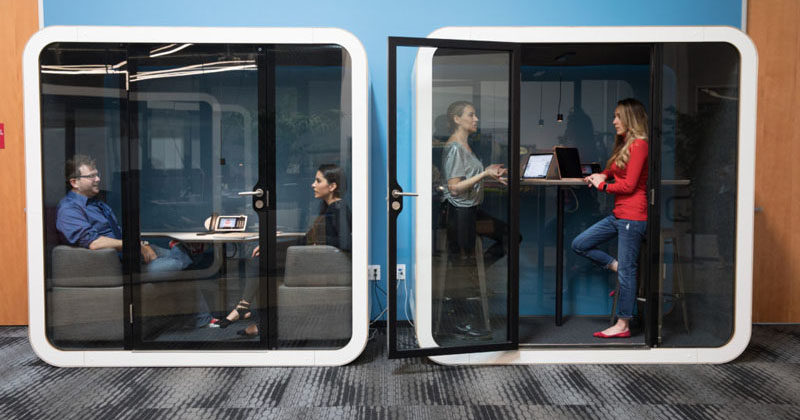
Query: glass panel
pixel 698 217
pixel 196 114
pixel 313 163
pixel 82 89
pixel 568 97
pixel 462 268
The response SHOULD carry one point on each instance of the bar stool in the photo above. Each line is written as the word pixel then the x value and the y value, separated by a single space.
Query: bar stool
pixel 678 294
pixel 667 236
pixel 442 276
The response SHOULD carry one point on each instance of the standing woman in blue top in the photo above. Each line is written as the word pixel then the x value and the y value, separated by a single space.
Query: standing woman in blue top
pixel 463 195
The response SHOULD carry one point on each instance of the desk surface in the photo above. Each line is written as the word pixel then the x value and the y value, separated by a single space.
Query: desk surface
pixel 202 237
pixel 540 181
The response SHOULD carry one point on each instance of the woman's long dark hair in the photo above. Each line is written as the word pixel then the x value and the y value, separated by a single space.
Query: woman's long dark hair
pixel 334 175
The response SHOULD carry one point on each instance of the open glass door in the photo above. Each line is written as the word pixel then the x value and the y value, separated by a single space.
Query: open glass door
pixel 453 137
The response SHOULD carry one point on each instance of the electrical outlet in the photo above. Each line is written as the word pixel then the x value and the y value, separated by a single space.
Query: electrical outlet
pixel 374 272
pixel 401 271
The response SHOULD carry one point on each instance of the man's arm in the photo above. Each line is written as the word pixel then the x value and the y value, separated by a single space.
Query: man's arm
pixel 103 242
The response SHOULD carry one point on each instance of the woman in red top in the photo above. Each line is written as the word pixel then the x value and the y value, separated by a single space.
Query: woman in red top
pixel 627 166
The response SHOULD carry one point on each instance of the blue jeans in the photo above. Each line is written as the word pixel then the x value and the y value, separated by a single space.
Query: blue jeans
pixel 630 234
pixel 176 259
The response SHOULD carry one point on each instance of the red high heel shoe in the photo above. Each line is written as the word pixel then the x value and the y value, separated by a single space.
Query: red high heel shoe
pixel 624 334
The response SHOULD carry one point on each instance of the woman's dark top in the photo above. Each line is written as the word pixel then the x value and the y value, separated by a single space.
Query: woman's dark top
pixel 332 227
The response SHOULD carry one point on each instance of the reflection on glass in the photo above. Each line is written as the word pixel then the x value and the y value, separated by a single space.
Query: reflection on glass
pixel 471 158
pixel 81 117
pixel 190 114
pixel 195 109
pixel 313 166
pixel 700 139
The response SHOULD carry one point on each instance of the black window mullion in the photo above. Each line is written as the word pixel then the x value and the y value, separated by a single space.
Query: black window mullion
pixel 653 258
pixel 513 218
pixel 124 139
pixel 130 201
pixel 266 155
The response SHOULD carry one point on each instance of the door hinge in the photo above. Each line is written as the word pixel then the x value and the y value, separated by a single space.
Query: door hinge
pixel 130 313
pixel 652 197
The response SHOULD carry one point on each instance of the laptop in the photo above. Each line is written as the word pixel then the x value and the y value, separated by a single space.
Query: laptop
pixel 569 163
pixel 537 165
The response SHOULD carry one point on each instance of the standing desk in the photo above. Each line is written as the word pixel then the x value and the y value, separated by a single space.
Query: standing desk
pixel 559 183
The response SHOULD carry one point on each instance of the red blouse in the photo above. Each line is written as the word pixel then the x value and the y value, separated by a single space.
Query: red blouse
pixel 630 186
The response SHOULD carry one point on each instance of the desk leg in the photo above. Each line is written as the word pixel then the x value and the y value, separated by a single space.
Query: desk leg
pixel 222 299
pixel 559 255
pixel 540 223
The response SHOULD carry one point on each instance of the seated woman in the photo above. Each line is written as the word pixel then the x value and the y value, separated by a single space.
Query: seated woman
pixel 331 227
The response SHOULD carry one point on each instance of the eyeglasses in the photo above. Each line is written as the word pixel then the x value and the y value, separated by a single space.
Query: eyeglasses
pixel 89 176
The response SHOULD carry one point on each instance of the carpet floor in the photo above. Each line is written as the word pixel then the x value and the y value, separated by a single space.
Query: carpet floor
pixel 764 382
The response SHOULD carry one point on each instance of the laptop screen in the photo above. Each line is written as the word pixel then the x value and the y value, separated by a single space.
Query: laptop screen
pixel 537 165
pixel 569 162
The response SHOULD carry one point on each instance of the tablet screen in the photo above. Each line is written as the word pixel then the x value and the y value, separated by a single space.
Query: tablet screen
pixel 227 222
pixel 537 165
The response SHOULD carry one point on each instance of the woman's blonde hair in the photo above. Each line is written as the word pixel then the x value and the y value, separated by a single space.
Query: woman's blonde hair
pixel 633 116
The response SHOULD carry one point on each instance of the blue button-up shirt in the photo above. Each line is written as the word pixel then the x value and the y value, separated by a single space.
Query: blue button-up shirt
pixel 81 220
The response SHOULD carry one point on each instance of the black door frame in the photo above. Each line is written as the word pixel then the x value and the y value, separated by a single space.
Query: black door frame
pixel 513 270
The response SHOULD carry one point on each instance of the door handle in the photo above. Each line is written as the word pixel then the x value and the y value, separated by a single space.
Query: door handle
pixel 258 192
pixel 397 194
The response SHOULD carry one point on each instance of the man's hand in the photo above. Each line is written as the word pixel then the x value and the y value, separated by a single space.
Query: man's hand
pixel 148 254
pixel 103 242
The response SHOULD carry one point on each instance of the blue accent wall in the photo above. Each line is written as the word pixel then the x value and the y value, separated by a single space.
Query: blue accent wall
pixel 372 22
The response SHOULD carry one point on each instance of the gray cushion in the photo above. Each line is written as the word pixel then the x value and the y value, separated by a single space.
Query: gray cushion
pixel 81 267
pixel 317 265
pixel 86 314
pixel 314 313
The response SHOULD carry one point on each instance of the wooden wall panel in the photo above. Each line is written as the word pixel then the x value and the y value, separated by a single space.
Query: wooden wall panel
pixel 772 24
pixel 18 21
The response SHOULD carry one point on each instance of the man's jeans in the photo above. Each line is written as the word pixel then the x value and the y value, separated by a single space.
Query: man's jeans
pixel 630 234
pixel 176 259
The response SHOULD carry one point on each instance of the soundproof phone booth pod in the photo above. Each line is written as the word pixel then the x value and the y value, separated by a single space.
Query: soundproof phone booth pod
pixel 199 145
pixel 506 287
